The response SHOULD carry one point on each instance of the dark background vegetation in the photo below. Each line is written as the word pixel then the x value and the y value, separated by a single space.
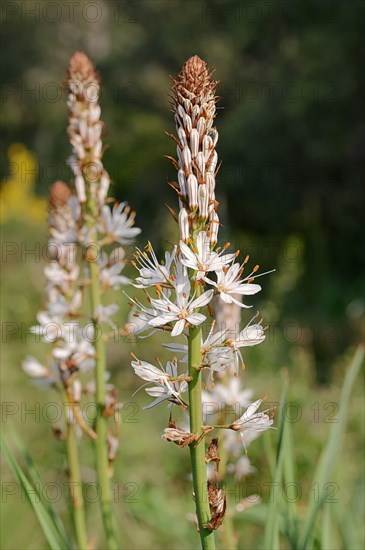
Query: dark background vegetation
pixel 291 128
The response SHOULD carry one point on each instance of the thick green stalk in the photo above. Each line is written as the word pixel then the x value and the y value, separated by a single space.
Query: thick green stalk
pixel 101 448
pixel 76 488
pixel 197 453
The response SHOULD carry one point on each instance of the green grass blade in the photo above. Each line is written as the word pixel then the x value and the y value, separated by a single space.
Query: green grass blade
pixel 272 528
pixel 50 531
pixel 350 521
pixel 269 451
pixel 37 483
pixel 289 475
pixel 331 450
pixel 326 527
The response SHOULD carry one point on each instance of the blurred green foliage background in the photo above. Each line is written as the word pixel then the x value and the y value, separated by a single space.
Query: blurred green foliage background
pixel 291 135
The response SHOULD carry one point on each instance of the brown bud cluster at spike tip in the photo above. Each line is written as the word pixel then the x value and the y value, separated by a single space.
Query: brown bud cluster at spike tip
pixel 194 106
pixel 81 69
pixel 59 194
pixel 195 77
pixel 85 128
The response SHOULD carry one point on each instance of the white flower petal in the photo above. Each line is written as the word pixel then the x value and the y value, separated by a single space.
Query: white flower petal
pixel 202 300
pixel 178 328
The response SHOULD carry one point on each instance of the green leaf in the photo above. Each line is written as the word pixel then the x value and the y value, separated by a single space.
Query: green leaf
pixel 289 473
pixel 326 527
pixel 331 450
pixel 272 528
pixel 37 482
pixel 349 518
pixel 54 538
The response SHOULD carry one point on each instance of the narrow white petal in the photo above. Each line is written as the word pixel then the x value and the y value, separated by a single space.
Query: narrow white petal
pixel 162 320
pixel 246 289
pixel 178 328
pixel 196 318
pixel 202 300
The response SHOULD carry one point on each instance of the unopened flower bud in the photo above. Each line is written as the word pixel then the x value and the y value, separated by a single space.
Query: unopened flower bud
pixel 59 194
pixel 212 164
pixel 210 182
pixel 187 123
pixel 194 142
pixel 76 391
pixel 201 126
pixel 200 162
pixel 192 189
pixel 182 182
pixel 113 444
pixel 182 136
pixel 83 129
pixel 195 113
pixel 98 149
pixel 103 187
pixel 214 227
pixel 34 368
pixel 117 255
pixel 92 253
pixel 186 159
pixel 184 225
pixel 207 146
pixel 80 188
pixel 203 200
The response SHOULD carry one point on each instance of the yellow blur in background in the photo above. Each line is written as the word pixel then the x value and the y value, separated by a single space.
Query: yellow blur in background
pixel 18 201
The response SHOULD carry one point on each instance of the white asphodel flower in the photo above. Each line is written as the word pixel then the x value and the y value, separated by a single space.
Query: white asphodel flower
pixel 149 372
pixel 78 350
pixel 229 282
pixel 102 313
pixel 139 318
pixel 181 312
pixel 252 421
pixel 230 393
pixel 204 260
pixel 62 276
pixel 242 468
pixel 34 368
pixel 150 270
pixel 138 322
pixel 49 327
pixel 216 355
pixel 117 224
pixel 168 386
pixel 64 222
pixel 251 335
pixel 225 399
pixel 220 353
pixel 213 339
pixel 109 275
pixel 58 305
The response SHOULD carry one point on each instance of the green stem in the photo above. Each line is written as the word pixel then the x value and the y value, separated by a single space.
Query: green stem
pixel 197 453
pixel 102 462
pixel 76 487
